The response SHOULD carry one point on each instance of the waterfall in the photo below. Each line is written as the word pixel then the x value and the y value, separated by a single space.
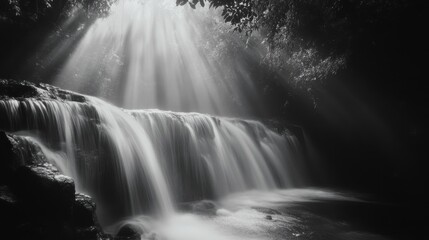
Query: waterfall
pixel 133 161
pixel 214 156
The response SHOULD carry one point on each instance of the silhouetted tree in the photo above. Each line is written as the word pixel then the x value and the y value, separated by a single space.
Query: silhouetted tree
pixel 31 10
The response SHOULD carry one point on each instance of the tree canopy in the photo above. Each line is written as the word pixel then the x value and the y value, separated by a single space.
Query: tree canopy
pixel 31 10
pixel 313 39
pixel 306 40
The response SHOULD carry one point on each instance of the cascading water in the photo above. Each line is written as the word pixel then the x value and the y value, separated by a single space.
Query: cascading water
pixel 102 144
pixel 212 156
pixel 152 54
pixel 152 159
pixel 190 174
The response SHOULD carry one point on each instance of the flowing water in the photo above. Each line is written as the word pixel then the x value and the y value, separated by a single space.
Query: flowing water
pixel 152 159
pixel 151 168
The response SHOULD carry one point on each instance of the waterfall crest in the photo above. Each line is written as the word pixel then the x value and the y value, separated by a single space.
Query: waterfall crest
pixel 136 160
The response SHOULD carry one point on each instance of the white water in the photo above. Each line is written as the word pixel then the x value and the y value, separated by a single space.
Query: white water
pixel 244 216
pixel 136 162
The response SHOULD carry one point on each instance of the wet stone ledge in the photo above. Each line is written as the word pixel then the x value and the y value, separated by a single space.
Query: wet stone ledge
pixel 38 202
pixel 12 89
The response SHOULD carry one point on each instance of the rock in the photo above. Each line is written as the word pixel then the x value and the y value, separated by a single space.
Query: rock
pixel 129 232
pixel 12 89
pixel 89 233
pixel 269 217
pixel 9 208
pixel 204 207
pixel 36 201
pixel 268 211
pixel 84 211
pixel 19 151
pixel 8 158
pixel 17 89
pixel 44 192
pixel 43 231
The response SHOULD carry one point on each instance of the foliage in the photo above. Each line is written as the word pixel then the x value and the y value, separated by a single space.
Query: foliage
pixel 32 10
pixel 309 39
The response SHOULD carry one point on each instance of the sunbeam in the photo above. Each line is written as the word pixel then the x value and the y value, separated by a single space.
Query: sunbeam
pixel 152 53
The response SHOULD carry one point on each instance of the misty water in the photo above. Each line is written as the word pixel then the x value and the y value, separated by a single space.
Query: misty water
pixel 182 175
pixel 175 157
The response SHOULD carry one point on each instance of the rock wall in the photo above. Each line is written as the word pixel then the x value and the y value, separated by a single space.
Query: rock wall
pixel 37 201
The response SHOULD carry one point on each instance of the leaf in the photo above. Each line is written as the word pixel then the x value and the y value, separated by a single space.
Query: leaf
pixel 202 3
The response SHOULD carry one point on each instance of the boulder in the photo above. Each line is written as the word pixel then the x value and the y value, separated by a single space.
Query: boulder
pixel 37 201
pixel 88 233
pixel 9 208
pixel 84 211
pixel 44 192
pixel 129 232
pixel 7 160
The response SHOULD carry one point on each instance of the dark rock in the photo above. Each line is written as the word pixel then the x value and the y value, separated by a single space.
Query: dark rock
pixel 269 217
pixel 84 211
pixel 43 231
pixel 7 159
pixel 17 151
pixel 37 201
pixel 9 208
pixel 44 192
pixel 17 89
pixel 7 198
pixel 129 232
pixel 12 89
pixel 105 236
pixel 89 233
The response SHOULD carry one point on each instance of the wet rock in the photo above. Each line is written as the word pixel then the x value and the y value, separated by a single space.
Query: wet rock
pixel 17 89
pixel 269 217
pixel 268 211
pixel 129 232
pixel 44 192
pixel 17 151
pixel 12 89
pixel 204 207
pixel 84 211
pixel 36 201
pixel 7 159
pixel 9 208
pixel 89 233
pixel 43 231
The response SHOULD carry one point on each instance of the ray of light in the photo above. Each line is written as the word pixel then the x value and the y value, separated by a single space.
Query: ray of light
pixel 152 54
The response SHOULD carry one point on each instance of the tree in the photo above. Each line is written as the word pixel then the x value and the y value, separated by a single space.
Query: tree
pixel 22 11
pixel 311 39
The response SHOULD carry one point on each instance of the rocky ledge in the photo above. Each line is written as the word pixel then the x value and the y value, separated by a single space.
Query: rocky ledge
pixel 12 89
pixel 37 201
